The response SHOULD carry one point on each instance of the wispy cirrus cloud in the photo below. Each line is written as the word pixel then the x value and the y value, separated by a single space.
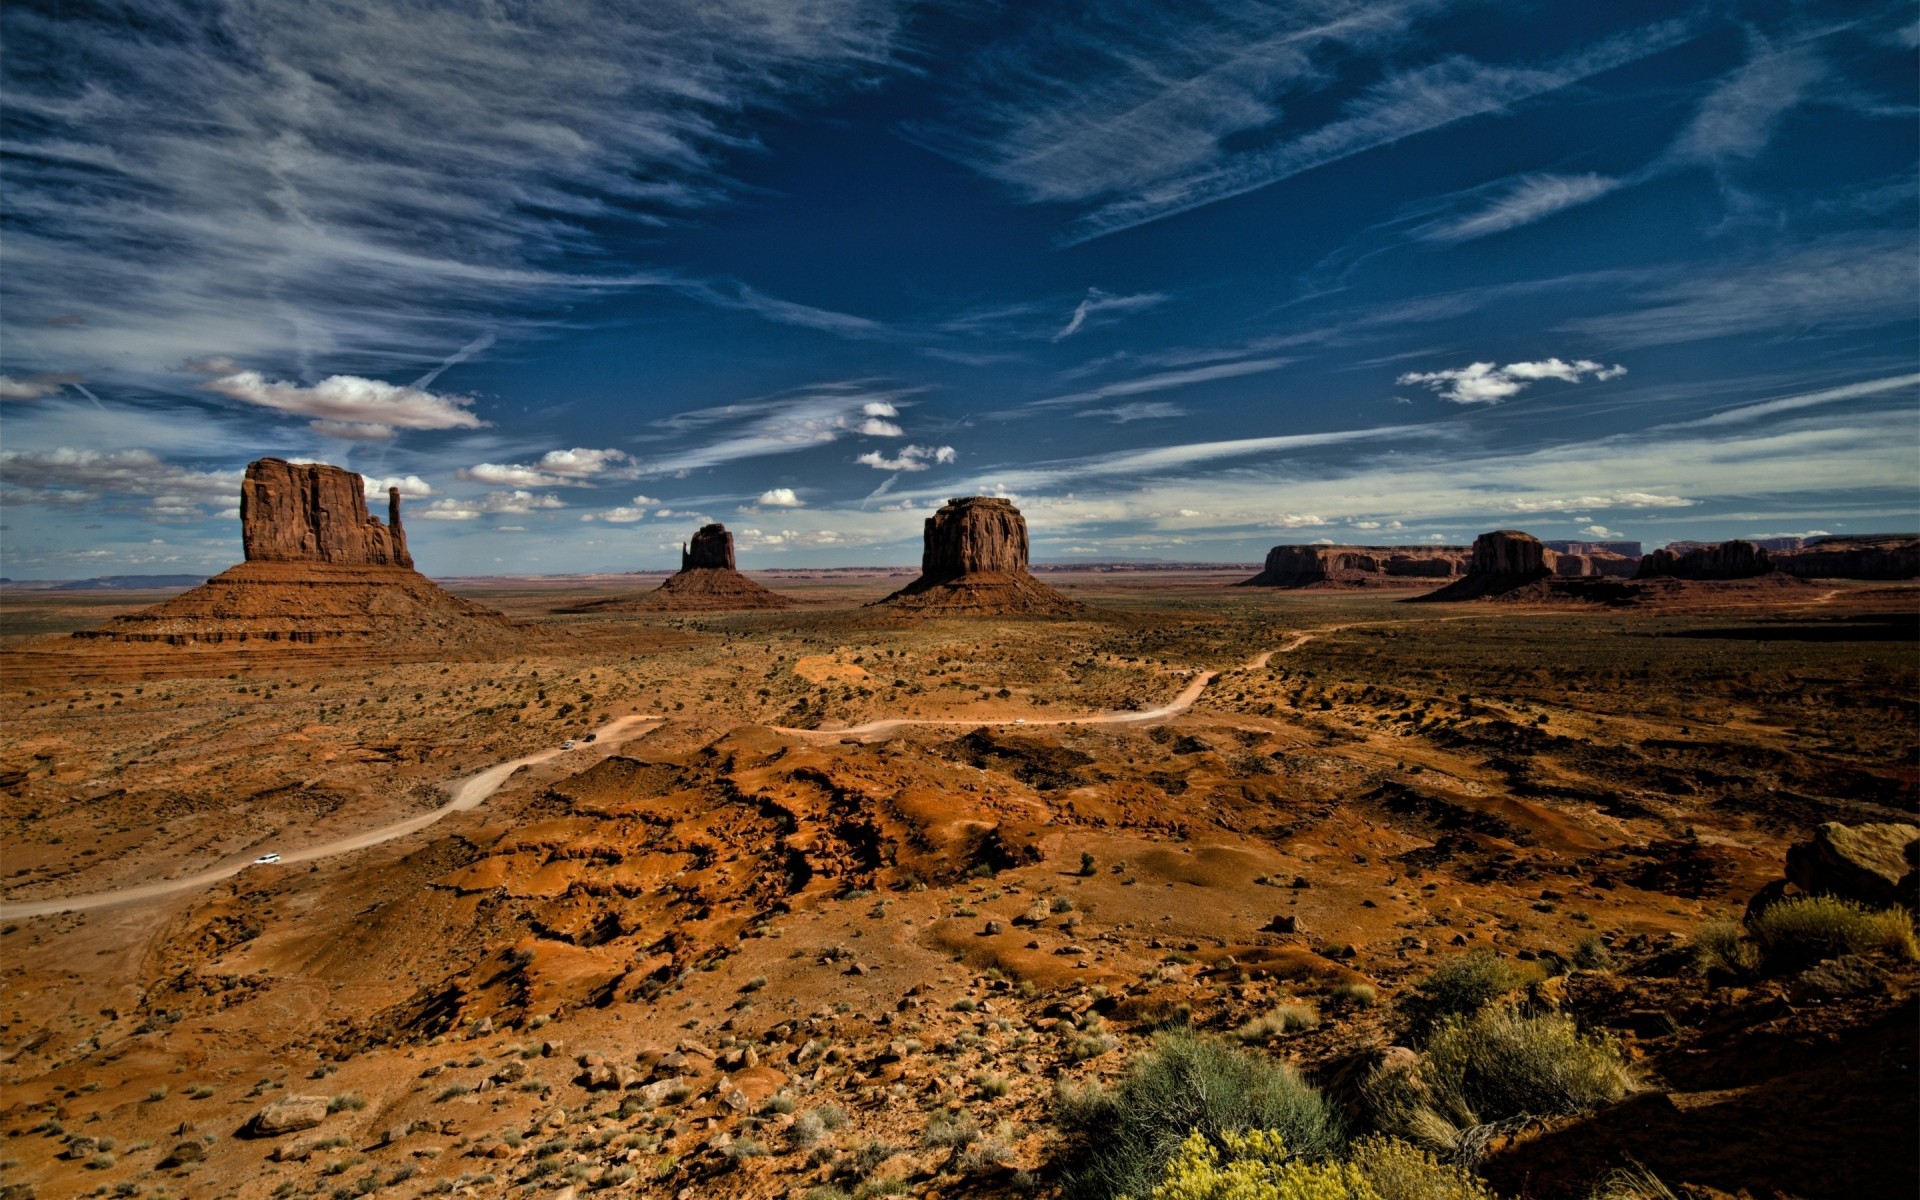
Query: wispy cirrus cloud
pixel 1165 381
pixel 1736 119
pixel 349 406
pixel 1191 115
pixel 1833 395
pixel 518 502
pixel 814 416
pixel 1099 307
pixel 287 184
pixel 1522 202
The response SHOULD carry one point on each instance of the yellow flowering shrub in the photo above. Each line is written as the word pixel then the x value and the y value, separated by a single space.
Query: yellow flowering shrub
pixel 1256 1167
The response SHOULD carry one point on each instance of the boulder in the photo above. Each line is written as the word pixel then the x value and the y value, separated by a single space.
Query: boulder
pixel 973 561
pixel 312 512
pixel 289 1114
pixel 1873 864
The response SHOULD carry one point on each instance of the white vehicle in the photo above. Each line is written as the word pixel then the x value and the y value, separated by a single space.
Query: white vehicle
pixel 567 745
pixel 266 860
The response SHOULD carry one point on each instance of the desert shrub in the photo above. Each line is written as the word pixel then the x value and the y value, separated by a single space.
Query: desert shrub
pixel 1282 1018
pixel 1723 946
pixel 1360 995
pixel 1187 1084
pixel 1591 954
pixel 946 1128
pixel 347 1102
pixel 1498 1063
pixel 807 1130
pixel 1458 987
pixel 741 1149
pixel 1631 1183
pixel 1257 1166
pixel 1807 929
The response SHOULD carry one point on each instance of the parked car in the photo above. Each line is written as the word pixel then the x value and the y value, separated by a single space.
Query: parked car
pixel 567 745
pixel 266 860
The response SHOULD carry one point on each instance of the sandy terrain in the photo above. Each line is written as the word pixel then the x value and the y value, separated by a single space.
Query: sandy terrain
pixel 817 858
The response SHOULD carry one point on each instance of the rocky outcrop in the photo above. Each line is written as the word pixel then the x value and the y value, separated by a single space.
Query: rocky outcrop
pixel 312 512
pixel 1501 562
pixel 1725 560
pixel 1613 566
pixel 319 571
pixel 1878 556
pixel 973 561
pixel 712 546
pixel 1573 566
pixel 1874 864
pixel 707 582
pixel 1334 567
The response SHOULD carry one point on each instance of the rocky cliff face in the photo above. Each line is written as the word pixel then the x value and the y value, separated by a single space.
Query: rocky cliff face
pixel 974 535
pixel 1885 556
pixel 974 562
pixel 1298 566
pixel 311 512
pixel 1500 562
pixel 1727 560
pixel 712 546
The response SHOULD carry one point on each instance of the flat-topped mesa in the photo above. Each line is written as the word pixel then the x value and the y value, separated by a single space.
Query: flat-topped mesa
pixel 312 512
pixel 1322 566
pixel 1501 561
pixel 712 546
pixel 1726 560
pixel 973 561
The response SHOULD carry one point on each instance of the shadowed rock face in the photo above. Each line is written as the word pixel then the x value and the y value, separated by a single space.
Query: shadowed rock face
pixel 974 535
pixel 1508 554
pixel 712 546
pixel 311 512
pixel 974 562
pixel 1727 560
pixel 1293 566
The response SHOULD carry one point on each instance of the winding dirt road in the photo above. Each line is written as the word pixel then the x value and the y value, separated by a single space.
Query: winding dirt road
pixel 468 793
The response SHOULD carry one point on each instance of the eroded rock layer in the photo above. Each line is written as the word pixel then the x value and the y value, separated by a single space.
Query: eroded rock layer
pixel 1330 567
pixel 312 512
pixel 973 562
pixel 712 546
pixel 1880 556
pixel 1501 561
pixel 1727 560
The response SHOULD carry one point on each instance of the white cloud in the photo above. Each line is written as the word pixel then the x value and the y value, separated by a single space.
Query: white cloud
pixel 1485 383
pixel 623 515
pixel 1601 531
pixel 411 486
pixel 517 502
pixel 814 416
pixel 1098 303
pixel 68 476
pixel 34 387
pixel 878 408
pixel 1298 521
pixel 875 427
pixel 1573 504
pixel 910 458
pixel 353 431
pixel 351 399
pixel 780 498
pixel 577 467
pixel 1526 200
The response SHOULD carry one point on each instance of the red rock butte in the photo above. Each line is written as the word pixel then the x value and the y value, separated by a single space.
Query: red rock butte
pixel 974 563
pixel 319 569
pixel 1343 567
pixel 707 581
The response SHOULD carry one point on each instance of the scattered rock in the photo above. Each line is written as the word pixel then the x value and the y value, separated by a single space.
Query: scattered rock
pixel 1873 864
pixel 289 1114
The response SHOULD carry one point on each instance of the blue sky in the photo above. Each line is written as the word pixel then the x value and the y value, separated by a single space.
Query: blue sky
pixel 1185 280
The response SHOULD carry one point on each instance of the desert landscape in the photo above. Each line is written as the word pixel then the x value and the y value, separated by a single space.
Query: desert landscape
pixel 870 894
pixel 848 599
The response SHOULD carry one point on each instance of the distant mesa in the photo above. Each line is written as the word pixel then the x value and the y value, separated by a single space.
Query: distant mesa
pixel 319 569
pixel 1351 567
pixel 1727 560
pixel 1500 562
pixel 707 582
pixel 974 563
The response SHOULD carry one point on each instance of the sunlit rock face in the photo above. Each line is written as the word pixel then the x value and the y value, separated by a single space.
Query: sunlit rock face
pixel 312 512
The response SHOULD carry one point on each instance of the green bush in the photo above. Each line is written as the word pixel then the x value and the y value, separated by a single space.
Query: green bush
pixel 1723 946
pixel 1498 1063
pixel 1458 987
pixel 1805 930
pixel 1186 1084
